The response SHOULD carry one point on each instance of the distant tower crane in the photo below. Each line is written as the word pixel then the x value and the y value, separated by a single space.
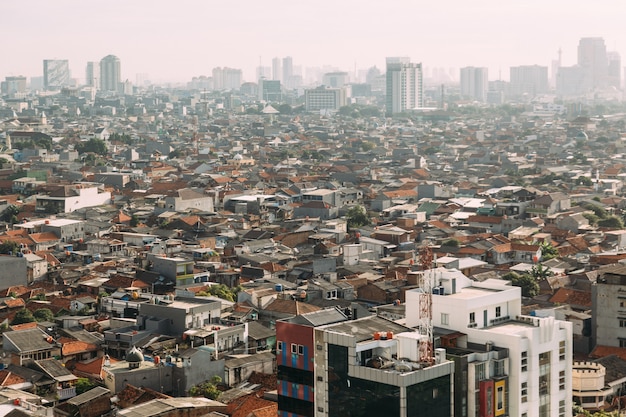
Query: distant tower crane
pixel 426 306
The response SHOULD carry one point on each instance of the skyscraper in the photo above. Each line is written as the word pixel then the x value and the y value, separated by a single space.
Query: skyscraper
pixel 614 69
pixel 529 80
pixel 592 59
pixel 56 73
pixel 226 78
pixel 404 85
pixel 110 73
pixel 276 69
pixel 287 70
pixel 92 74
pixel 474 83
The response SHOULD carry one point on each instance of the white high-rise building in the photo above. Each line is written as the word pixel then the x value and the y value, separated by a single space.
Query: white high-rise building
pixel 56 73
pixel 592 58
pixel 474 83
pixel 110 73
pixel 226 78
pixel 277 69
pixel 539 359
pixel 404 85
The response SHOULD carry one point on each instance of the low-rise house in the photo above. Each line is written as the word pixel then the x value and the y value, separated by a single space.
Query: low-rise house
pixel 29 345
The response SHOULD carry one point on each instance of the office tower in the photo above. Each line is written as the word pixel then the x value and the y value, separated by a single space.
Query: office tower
pixel 324 98
pixel 535 377
pixel 270 90
pixel 92 74
pixel 287 69
pixel 614 70
pixel 592 58
pixel 226 78
pixel 110 73
pixel 56 73
pixel 528 80
pixel 474 83
pixel 13 85
pixel 335 79
pixel 331 366
pixel 276 69
pixel 570 81
pixel 404 85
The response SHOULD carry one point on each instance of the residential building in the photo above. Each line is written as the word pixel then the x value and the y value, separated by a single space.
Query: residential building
pixel 474 83
pixel 404 85
pixel 25 346
pixel 110 73
pixel 174 268
pixel 69 198
pixel 335 79
pixel 13 85
pixel 227 78
pixel 529 80
pixel 609 308
pixel 182 313
pixel 270 90
pixel 489 312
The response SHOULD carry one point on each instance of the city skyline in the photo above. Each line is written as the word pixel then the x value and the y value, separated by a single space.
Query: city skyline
pixel 176 43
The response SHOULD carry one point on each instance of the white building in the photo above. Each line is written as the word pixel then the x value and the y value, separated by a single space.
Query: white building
pixel 404 85
pixel 489 312
pixel 474 83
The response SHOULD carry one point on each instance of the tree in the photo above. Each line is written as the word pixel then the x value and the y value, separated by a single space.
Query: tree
pixel 539 272
pixel 207 389
pixel 83 385
pixel 221 291
pixel 134 221
pixel 451 243
pixel 527 282
pixel 43 314
pixel 611 222
pixel 357 217
pixel 94 145
pixel 548 251
pixel 9 247
pixel 23 316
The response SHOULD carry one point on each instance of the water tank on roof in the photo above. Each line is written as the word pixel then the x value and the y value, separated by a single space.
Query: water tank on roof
pixel 278 287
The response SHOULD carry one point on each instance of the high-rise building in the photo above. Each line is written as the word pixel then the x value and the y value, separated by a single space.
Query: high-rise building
pixel 592 59
pixel 335 79
pixel 329 366
pixel 474 83
pixel 92 74
pixel 404 85
pixel 614 70
pixel 609 305
pixel 324 98
pixel 528 80
pixel 13 85
pixel 226 78
pixel 277 69
pixel 110 73
pixel 56 73
pixel 270 90
pixel 287 69
pixel 535 377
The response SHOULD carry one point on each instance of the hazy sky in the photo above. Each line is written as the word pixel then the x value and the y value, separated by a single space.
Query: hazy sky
pixel 178 39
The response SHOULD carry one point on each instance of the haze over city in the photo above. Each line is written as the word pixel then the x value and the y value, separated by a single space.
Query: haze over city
pixel 174 41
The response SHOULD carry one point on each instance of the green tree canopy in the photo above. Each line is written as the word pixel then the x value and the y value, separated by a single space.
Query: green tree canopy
pixel 83 385
pixel 9 247
pixel 207 389
pixel 43 314
pixel 94 145
pixel 357 217
pixel 548 251
pixel 23 316
pixel 612 222
pixel 527 282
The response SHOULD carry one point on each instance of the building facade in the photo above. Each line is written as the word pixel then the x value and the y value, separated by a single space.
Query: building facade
pixel 474 83
pixel 56 73
pixel 110 73
pixel 404 85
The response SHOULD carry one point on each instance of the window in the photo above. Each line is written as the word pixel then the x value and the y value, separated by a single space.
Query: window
pixel 524 361
pixel 562 408
pixel 622 343
pixel 500 398
pixel 561 380
pixel 622 322
pixel 445 319
pixel 294 348
pixel 279 346
pixel 498 311
pixel 622 303
pixel 300 350
pixel 472 317
pixel 562 350
pixel 524 392
pixel 498 367
pixel 480 370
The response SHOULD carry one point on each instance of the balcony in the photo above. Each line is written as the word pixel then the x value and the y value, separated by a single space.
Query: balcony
pixel 65 393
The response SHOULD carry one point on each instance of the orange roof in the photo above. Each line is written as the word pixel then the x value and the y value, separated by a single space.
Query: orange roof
pixel 601 351
pixel 14 303
pixel 43 237
pixel 76 346
pixel 569 296
pixel 24 326
pixel 244 406
pixel 9 378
